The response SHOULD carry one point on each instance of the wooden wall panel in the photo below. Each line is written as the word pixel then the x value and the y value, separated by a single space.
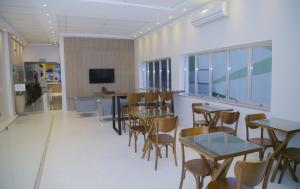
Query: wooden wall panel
pixel 81 54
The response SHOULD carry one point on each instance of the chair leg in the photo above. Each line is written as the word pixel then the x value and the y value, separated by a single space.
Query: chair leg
pixel 284 167
pixel 292 173
pixel 245 157
pixel 166 151
pixel 278 164
pixel 198 182
pixel 135 142
pixel 149 151
pixel 261 154
pixel 156 156
pixel 295 166
pixel 183 171
pixel 174 153
pixel 130 136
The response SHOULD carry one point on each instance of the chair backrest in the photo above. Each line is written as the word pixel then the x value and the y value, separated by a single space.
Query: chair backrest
pixel 229 117
pixel 134 99
pixel 195 110
pixel 252 173
pixel 151 99
pixel 166 124
pixel 253 117
pixel 194 131
pixel 166 96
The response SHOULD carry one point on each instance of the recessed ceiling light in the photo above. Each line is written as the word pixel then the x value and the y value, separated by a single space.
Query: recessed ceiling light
pixel 184 9
pixel 44 5
pixel 204 11
pixel 157 23
pixel 170 17
pixel 134 35
pixel 149 28
pixel 141 32
pixel 47 14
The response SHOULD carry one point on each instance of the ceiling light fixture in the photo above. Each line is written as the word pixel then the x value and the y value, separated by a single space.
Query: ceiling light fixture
pixel 134 35
pixel 149 28
pixel 47 14
pixel 52 32
pixel 51 27
pixel 49 21
pixel 184 9
pixel 204 11
pixel 141 32
pixel 44 5
pixel 157 23
pixel 170 17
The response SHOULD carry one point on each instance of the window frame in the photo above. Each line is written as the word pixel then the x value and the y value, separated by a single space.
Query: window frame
pixel 248 102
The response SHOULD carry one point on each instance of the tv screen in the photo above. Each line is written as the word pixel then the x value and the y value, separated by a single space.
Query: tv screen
pixel 102 75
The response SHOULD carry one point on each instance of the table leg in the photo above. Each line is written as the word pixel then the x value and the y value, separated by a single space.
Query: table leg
pixel 278 147
pixel 221 172
pixel 119 131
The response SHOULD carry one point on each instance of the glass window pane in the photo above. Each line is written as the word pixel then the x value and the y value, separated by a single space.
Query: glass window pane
pixel 150 74
pixel 203 75
pixel 191 60
pixel 164 75
pixel 219 65
pixel 157 74
pixel 261 75
pixel 238 75
pixel 170 74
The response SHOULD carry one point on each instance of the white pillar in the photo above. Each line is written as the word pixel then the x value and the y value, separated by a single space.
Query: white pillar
pixel 63 73
pixel 9 90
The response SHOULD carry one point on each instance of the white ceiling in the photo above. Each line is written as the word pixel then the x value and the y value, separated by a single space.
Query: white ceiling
pixel 40 24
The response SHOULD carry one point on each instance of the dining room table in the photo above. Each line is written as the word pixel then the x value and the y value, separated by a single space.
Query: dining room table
pixel 116 97
pixel 219 146
pixel 211 113
pixel 275 127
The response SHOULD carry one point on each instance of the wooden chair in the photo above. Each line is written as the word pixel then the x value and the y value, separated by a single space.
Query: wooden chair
pixel 228 118
pixel 248 175
pixel 160 138
pixel 265 142
pixel 197 167
pixel 198 123
pixel 135 126
pixel 151 99
pixel 290 154
pixel 166 100
pixel 134 100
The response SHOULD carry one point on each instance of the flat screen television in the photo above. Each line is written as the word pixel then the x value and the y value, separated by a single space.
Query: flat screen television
pixel 101 76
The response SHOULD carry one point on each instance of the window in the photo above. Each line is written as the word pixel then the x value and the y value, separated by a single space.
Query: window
pixel 261 75
pixel 158 74
pixel 239 75
pixel 238 80
pixel 219 67
pixel 203 75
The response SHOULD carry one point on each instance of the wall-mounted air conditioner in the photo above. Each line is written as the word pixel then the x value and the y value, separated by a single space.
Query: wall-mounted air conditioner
pixel 210 13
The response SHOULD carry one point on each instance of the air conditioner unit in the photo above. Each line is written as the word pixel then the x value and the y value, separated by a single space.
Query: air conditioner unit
pixel 209 13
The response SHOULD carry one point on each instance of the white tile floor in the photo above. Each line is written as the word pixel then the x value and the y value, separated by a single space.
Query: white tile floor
pixel 84 153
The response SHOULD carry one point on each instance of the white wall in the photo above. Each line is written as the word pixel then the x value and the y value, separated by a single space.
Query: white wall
pixel 250 21
pixel 32 53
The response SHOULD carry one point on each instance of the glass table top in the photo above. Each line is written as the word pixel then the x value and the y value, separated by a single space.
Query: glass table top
pixel 152 113
pixel 212 109
pixel 219 146
pixel 279 124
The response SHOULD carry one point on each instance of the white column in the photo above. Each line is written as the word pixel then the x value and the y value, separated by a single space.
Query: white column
pixel 63 73
pixel 9 90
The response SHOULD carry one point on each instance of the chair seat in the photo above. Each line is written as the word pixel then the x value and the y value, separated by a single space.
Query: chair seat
pixel 162 138
pixel 200 122
pixel 197 167
pixel 261 141
pixel 292 154
pixel 226 183
pixel 224 129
